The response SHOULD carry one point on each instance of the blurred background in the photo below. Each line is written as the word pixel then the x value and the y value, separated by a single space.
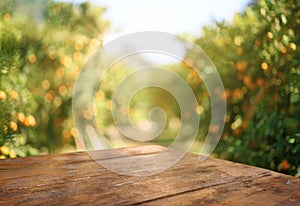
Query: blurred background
pixel 253 44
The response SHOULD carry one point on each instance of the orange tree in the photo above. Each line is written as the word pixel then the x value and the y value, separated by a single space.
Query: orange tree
pixel 257 56
pixel 39 64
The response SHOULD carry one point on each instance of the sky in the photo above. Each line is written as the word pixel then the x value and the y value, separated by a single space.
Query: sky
pixel 172 16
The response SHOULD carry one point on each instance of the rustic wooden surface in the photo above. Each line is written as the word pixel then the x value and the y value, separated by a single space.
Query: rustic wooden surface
pixel 76 179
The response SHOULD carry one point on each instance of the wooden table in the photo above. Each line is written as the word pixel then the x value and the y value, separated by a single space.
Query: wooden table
pixel 76 179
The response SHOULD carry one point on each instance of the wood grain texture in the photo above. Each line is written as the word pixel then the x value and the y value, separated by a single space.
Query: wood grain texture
pixel 76 179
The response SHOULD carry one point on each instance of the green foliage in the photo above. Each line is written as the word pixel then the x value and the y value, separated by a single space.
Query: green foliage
pixel 17 102
pixel 39 64
pixel 261 73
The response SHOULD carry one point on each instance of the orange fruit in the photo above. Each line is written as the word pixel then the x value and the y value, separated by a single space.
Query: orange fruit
pixel 30 121
pixel 32 58
pixel 21 117
pixel 241 65
pixel 13 94
pixel 2 95
pixel 285 164
pixel 13 125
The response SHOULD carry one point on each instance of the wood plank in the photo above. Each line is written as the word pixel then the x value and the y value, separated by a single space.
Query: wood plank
pixel 76 179
pixel 273 189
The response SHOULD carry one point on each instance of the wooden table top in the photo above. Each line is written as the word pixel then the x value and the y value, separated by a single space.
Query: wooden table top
pixel 76 179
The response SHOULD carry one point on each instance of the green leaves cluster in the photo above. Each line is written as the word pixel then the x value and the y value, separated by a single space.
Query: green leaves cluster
pixel 39 63
pixel 258 58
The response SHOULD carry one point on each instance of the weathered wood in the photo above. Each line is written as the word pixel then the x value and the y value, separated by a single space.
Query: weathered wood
pixel 76 179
